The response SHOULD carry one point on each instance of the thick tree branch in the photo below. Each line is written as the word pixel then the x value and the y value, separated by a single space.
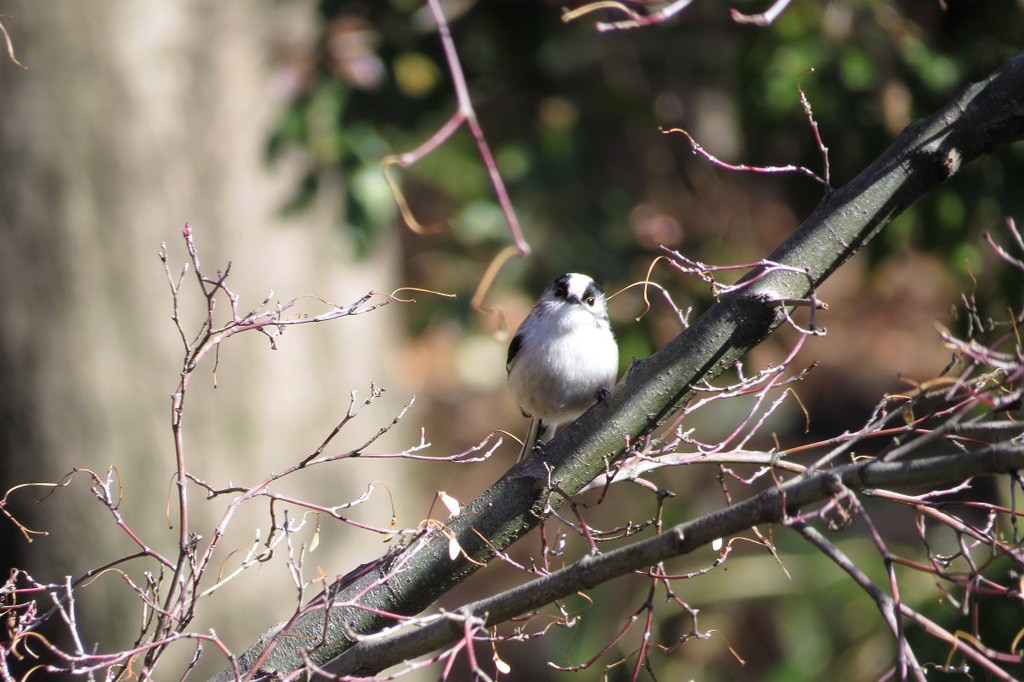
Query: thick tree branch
pixel 376 653
pixel 985 117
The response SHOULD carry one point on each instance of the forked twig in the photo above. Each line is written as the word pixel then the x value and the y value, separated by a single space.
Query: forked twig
pixel 464 114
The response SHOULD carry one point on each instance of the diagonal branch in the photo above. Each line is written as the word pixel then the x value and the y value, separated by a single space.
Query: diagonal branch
pixel 983 118
pixel 376 653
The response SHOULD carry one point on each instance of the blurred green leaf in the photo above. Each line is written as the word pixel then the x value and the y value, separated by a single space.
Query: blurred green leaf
pixel 857 71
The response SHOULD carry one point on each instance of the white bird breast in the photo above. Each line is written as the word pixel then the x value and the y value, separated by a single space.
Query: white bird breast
pixel 567 355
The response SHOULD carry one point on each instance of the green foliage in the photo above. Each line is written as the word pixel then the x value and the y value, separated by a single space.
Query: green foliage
pixel 573 118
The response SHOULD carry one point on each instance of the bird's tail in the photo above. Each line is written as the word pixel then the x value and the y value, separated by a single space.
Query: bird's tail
pixel 538 431
pixel 530 441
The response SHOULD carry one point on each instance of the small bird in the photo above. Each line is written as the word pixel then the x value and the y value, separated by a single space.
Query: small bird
pixel 563 358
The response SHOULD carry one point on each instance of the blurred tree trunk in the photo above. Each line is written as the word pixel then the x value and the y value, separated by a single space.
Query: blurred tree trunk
pixel 131 120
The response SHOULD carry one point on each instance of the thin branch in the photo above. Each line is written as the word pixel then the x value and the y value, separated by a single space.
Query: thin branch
pixel 764 18
pixel 465 114
pixel 9 43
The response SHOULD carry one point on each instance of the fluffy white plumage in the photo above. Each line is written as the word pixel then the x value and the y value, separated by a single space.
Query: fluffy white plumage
pixel 563 358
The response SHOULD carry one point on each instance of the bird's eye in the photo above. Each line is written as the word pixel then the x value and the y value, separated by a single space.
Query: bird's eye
pixel 590 300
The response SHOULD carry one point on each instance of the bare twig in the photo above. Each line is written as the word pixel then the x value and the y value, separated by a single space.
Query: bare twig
pixel 465 114
pixel 9 43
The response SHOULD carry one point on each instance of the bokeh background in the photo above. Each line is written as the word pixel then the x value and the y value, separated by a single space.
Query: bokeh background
pixel 263 123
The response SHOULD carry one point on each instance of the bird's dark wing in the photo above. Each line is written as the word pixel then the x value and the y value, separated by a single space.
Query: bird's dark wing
pixel 513 348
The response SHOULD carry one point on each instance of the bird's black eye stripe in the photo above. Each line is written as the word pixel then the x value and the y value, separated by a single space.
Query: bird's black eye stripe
pixel 561 287
pixel 593 291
